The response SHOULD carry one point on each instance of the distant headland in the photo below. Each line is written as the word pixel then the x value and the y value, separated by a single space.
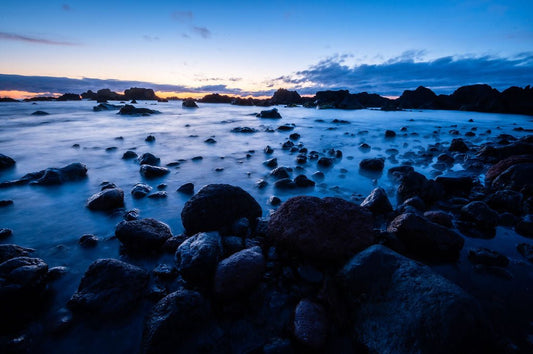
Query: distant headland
pixel 478 98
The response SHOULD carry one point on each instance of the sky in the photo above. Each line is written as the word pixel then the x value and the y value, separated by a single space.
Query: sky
pixel 255 47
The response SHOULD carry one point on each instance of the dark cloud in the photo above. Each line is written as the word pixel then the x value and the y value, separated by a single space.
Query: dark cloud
pixel 21 38
pixel 185 35
pixel 182 16
pixel 63 85
pixel 202 32
pixel 408 71
pixel 66 7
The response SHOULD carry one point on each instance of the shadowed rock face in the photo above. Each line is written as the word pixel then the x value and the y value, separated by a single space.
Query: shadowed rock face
pixel 143 235
pixel 321 229
pixel 217 206
pixel 406 308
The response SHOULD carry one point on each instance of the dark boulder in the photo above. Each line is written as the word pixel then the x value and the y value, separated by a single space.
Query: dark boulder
pixel 54 176
pixel 285 183
pixel 458 145
pixel 373 164
pixel 187 188
pixel 411 184
pixel 143 235
pixel 8 251
pixel 272 113
pixel 139 93
pixel 149 159
pixel 239 273
pixel 303 182
pixel 109 289
pixel 216 206
pixel 189 103
pixel 246 130
pixel 487 257
pixel 421 98
pixel 490 154
pixel 40 113
pixel 325 162
pixel 5 233
pixel 149 171
pixel 310 324
pixel 106 107
pixel 456 186
pixel 128 109
pixel 88 241
pixel 197 257
pixel 503 165
pixel 439 217
pixel 480 214
pixel 106 200
pixel 6 162
pixel 171 326
pixel 129 155
pixel 516 177
pixel 506 201
pixel 403 307
pixel 322 229
pixel 140 190
pixel 279 172
pixel 283 96
pixel 425 239
pixel 377 202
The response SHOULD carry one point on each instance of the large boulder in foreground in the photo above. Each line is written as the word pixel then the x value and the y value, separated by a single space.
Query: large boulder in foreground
pixel 109 288
pixel 217 206
pixel 426 239
pixel 321 229
pixel 143 235
pixel 403 307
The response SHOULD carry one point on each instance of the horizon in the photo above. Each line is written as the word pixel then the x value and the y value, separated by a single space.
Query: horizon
pixel 245 49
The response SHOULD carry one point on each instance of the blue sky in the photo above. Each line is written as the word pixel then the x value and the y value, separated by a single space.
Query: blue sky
pixel 255 47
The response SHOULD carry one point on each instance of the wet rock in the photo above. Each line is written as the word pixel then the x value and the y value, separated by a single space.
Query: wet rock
pixel 325 162
pixel 216 206
pixel 268 150
pixel 187 188
pixel 390 134
pixel 5 203
pixel 515 177
pixel 439 217
pixel 425 239
pixel 506 200
pixel 272 163
pixel 198 256
pixel 457 186
pixel 261 183
pixel 109 288
pixel 272 113
pixel 326 229
pixel 172 243
pixel 5 233
pixel 458 145
pixel 149 171
pixel 88 241
pixel 23 278
pixel 286 128
pixel 287 145
pixel 480 214
pixel 524 227
pixel 303 182
pixel 149 159
pixel 8 251
pixel 280 172
pixel 397 172
pixel 377 202
pixel 106 200
pixel 165 272
pixel 285 183
pixel 301 159
pixel 403 307
pixel 310 324
pixel 129 109
pixel 239 273
pixel 189 103
pixel 55 273
pixel 294 136
pixel 375 164
pixel 143 235
pixel 526 250
pixel 489 153
pixel 40 113
pixel 140 190
pixel 501 166
pixel 106 107
pixel 158 195
pixel 232 244
pixel 246 130
pixel 411 184
pixel 6 162
pixel 210 141
pixel 487 257
pixel 131 215
pixel 274 201
pixel 172 325
pixel 51 176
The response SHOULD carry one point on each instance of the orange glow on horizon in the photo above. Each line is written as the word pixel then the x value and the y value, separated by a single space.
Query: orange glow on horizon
pixel 20 95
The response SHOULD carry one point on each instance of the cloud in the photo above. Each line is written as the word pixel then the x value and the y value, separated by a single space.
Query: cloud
pixel 21 38
pixel 202 32
pixel 182 16
pixel 64 85
pixel 408 71
pixel 150 38
pixel 66 7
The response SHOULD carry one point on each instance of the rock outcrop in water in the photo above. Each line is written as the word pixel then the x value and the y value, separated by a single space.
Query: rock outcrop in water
pixel 51 176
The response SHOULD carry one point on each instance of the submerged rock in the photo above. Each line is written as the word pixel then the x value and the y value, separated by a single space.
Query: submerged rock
pixel 323 229
pixel 128 109
pixel 143 235
pixel 217 206
pixel 403 307
pixel 149 171
pixel 273 113
pixel 6 162
pixel 109 288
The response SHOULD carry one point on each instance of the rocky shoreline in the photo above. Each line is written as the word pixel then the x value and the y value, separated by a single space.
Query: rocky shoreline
pixel 317 275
